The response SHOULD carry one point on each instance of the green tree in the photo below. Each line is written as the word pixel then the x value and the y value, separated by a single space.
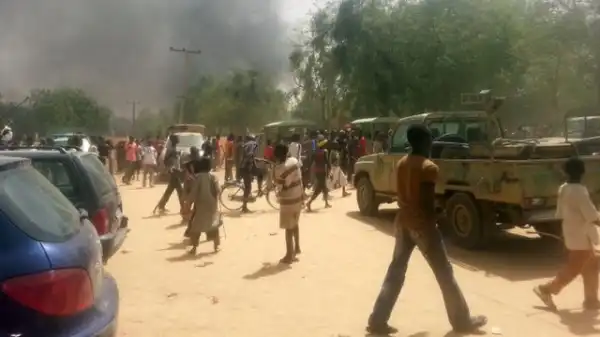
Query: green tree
pixel 56 110
pixel 370 58
pixel 68 109
pixel 237 102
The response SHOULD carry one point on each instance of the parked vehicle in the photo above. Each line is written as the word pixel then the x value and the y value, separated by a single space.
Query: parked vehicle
pixel 82 178
pixel 186 141
pixel 280 130
pixel 62 139
pixel 375 127
pixel 486 182
pixel 52 280
pixel 194 128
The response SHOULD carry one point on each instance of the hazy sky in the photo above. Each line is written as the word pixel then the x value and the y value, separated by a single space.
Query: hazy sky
pixel 119 49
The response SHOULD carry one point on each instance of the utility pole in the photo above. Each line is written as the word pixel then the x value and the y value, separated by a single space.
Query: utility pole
pixel 133 114
pixel 181 105
pixel 186 75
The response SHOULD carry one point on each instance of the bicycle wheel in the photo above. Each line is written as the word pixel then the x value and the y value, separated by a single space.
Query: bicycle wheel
pixel 272 198
pixel 232 197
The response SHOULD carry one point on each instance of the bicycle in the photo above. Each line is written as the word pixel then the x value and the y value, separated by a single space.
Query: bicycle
pixel 233 191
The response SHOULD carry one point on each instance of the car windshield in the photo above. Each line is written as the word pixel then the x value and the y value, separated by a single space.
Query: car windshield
pixel 583 127
pixel 189 140
pixel 61 141
pixel 36 206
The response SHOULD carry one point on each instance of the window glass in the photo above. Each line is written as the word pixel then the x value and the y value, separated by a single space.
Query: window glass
pixel 189 140
pixel 399 140
pixel 475 131
pixel 58 174
pixel 102 180
pixel 437 129
pixel 451 127
pixel 37 207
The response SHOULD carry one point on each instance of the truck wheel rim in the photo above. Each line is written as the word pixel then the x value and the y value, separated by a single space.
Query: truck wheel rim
pixel 462 221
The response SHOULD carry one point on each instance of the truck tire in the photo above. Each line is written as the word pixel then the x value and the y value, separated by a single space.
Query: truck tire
pixel 465 222
pixel 365 197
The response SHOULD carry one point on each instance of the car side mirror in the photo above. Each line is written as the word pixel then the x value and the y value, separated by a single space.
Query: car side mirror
pixel 83 214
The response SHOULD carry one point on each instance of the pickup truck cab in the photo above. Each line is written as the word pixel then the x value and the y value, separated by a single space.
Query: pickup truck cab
pixel 486 182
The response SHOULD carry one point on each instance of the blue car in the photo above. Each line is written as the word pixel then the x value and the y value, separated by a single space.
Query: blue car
pixel 52 279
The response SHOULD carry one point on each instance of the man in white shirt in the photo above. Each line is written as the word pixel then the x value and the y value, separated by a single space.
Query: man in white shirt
pixel 579 220
pixel 149 157
pixel 295 148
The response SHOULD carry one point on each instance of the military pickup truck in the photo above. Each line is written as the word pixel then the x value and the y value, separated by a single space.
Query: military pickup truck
pixel 486 182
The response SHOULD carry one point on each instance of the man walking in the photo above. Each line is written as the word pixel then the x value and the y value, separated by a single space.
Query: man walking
pixel 131 158
pixel 229 157
pixel 248 169
pixel 173 166
pixel 416 226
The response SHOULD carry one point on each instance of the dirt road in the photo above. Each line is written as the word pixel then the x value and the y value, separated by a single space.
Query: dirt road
pixel 242 291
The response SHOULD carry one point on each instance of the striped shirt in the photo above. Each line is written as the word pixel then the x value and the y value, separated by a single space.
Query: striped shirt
pixel 288 177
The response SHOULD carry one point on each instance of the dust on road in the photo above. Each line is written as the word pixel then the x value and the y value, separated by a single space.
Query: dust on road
pixel 243 292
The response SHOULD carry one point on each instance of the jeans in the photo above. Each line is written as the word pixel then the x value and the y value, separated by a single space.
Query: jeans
pixel 174 184
pixel 432 247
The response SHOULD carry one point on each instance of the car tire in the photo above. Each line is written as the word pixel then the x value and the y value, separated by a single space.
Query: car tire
pixel 465 222
pixel 365 197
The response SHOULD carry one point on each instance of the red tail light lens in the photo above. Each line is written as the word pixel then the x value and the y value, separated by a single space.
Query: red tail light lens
pixel 61 292
pixel 101 222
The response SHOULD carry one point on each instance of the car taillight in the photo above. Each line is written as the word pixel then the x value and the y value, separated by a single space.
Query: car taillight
pixel 60 292
pixel 101 222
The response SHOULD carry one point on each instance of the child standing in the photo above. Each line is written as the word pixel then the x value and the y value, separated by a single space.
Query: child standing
pixel 148 163
pixel 202 205
pixel 579 218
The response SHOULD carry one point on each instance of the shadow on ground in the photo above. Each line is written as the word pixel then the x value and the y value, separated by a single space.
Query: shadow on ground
pixel 252 214
pixel 189 257
pixel 267 269
pixel 512 257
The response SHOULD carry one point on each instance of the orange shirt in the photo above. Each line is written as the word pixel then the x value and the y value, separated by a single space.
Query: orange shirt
pixel 411 171
pixel 229 150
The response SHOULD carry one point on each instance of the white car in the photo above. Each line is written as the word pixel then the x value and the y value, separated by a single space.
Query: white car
pixel 186 141
pixel 63 140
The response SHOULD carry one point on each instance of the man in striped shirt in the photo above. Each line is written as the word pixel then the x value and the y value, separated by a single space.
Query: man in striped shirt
pixel 288 179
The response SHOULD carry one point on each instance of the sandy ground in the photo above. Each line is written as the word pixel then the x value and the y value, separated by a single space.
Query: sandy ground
pixel 242 291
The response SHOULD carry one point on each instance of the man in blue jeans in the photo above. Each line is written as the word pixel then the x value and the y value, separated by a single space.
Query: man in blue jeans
pixel 416 227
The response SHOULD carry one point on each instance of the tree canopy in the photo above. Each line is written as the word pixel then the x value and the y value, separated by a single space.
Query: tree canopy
pixel 237 102
pixel 242 100
pixel 57 110
pixel 380 57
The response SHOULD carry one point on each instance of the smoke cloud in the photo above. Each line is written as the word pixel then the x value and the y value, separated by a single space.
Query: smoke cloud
pixel 118 50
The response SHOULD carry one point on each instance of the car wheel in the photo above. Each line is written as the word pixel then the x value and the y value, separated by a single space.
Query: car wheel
pixel 365 197
pixel 465 222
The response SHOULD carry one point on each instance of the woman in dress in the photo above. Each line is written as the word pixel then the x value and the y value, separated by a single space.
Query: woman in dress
pixel 202 205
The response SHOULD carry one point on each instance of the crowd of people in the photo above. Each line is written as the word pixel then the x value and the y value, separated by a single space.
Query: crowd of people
pixel 323 159
pixel 290 165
